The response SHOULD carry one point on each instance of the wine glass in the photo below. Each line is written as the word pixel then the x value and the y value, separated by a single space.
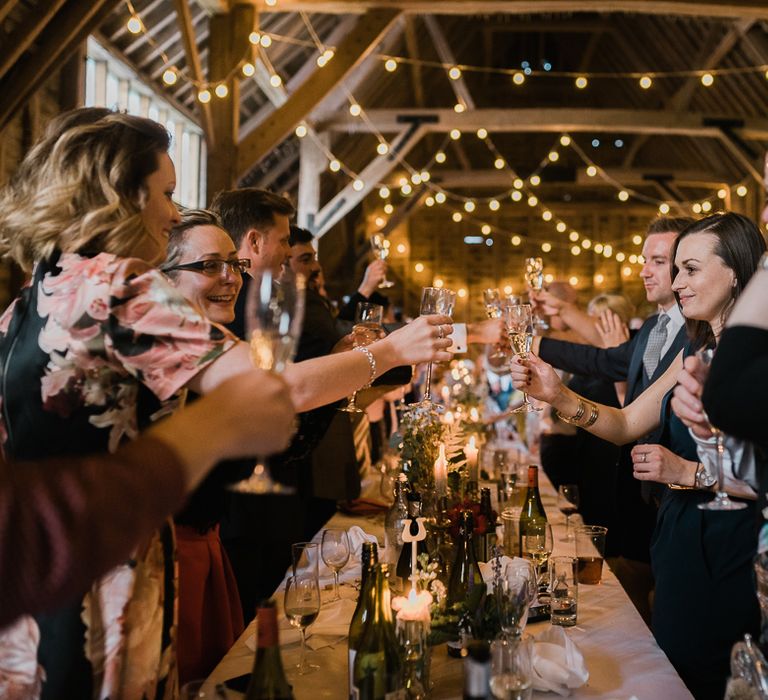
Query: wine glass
pixel 721 501
pixel 519 322
pixel 274 314
pixel 537 543
pixel 302 606
pixel 568 504
pixel 512 669
pixel 380 245
pixel 368 318
pixel 434 300
pixel 335 552
pixel 516 592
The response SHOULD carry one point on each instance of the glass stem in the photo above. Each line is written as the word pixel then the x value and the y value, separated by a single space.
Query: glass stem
pixel 303 657
pixel 428 384
pixel 567 525
pixel 336 594
pixel 352 399
pixel 721 494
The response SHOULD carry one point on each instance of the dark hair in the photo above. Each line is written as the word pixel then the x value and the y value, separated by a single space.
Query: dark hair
pixel 669 224
pixel 299 235
pixel 739 245
pixel 178 236
pixel 249 208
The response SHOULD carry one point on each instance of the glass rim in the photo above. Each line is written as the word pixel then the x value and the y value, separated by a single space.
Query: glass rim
pixel 593 529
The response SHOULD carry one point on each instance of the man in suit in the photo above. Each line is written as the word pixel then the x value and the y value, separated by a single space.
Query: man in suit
pixel 639 361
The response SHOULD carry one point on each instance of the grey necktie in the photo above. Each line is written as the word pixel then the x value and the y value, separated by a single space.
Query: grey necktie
pixel 656 339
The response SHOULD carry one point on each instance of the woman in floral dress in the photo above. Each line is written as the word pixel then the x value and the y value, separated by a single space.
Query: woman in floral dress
pixel 96 346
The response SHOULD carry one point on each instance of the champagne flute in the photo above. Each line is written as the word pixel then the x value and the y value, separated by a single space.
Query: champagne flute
pixel 302 606
pixel 721 501
pixel 434 300
pixel 534 277
pixel 334 549
pixel 274 314
pixel 519 322
pixel 568 504
pixel 492 301
pixel 537 544
pixel 380 245
pixel 514 596
pixel 368 318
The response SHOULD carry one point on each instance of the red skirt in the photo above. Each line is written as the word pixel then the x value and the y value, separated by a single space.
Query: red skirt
pixel 210 616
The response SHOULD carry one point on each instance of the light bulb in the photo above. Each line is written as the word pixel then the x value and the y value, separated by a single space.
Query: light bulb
pixel 599 279
pixel 646 82
pixel 696 208
pixel 455 134
pixel 598 248
pixel 170 77
pixel 516 195
pixel 485 229
pixel 440 197
pixel 633 258
pixel 741 190
pixel 406 189
pixel 454 73
pixel 221 91
pixel 301 131
pixel 265 41
pixel 482 133
pixel 388 208
pixel 419 267
pixel 382 149
pixel 623 195
pixel 553 156
pixel 707 79
pixel 706 206
pixel 546 215
pixel 355 109
pixel 575 250
pixel 390 65
pixel 204 96
pixel 515 240
pixel 494 205
pixel 546 247
pixel 626 271
pixel 248 69
pixel 637 239
pixel 573 236
pixel 518 78
pixel 275 80
pixel 591 171
pixel 134 25
pixel 416 178
pixel 722 193
pixel 439 157
pixel 334 166
pixel 469 206
pixel 456 216
pixel 459 108
pixel 384 192
pixel 461 293
pixel 587 244
pixel 573 281
pixel 499 163
pixel 533 201
pixel 534 180
pixel 664 208
pixel 561 226
pixel 358 185
pixel 517 183
pixel 565 140
pixel 254 38
pixel 581 82
pixel 620 257
pixel 425 176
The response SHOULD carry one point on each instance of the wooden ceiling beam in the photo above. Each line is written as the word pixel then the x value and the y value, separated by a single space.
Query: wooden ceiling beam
pixel 551 120
pixel 5 8
pixel 26 32
pixel 745 9
pixel 446 55
pixel 350 52
pixel 60 38
pixel 187 27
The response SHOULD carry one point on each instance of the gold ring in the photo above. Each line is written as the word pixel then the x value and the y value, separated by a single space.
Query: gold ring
pixel 645 457
pixel 440 331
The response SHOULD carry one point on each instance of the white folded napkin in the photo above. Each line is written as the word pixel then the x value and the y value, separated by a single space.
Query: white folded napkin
pixel 507 563
pixel 331 624
pixel 353 568
pixel 558 665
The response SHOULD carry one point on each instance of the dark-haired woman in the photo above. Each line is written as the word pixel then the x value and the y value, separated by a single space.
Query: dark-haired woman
pixel 704 599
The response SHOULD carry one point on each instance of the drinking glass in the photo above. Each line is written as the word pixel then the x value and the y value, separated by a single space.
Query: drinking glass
pixel 434 300
pixel 568 504
pixel 590 550
pixel 721 501
pixel 518 319
pixel 302 606
pixel 563 590
pixel 380 245
pixel 534 277
pixel 335 553
pixel 496 354
pixel 305 559
pixel 514 597
pixel 492 301
pixel 368 318
pixel 537 544
pixel 274 314
pixel 512 669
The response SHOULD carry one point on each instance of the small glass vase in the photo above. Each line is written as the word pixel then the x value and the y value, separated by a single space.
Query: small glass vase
pixel 417 655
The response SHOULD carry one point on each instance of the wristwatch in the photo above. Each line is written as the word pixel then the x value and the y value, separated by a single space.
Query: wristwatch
pixel 704 480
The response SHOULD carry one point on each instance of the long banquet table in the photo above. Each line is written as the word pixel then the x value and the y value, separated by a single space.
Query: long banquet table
pixel 622 657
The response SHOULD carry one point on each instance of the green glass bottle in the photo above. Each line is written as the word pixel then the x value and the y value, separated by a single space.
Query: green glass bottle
pixel 466 585
pixel 268 678
pixel 366 602
pixel 533 510
pixel 378 670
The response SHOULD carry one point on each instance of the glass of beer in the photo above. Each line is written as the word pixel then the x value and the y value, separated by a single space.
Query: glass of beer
pixel 590 551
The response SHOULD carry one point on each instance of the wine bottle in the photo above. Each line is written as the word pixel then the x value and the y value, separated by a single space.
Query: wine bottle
pixel 466 583
pixel 532 508
pixel 487 540
pixel 268 678
pixel 404 562
pixel 366 603
pixel 394 520
pixel 477 670
pixel 378 670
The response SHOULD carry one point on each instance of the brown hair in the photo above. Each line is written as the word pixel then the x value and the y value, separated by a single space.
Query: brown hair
pixel 249 208
pixel 190 218
pixel 669 224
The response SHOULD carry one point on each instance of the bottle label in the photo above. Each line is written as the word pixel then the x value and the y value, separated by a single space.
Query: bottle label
pixel 353 692
pixel 477 678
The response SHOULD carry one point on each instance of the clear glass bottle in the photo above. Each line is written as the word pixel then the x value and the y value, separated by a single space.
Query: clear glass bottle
pixel 394 520
pixel 533 510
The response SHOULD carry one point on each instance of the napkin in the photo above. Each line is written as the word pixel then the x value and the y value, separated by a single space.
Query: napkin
pixel 507 563
pixel 558 665
pixel 353 568
pixel 332 623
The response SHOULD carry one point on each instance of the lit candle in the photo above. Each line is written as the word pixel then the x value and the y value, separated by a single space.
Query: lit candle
pixel 445 392
pixel 441 473
pixel 414 607
pixel 470 452
pixel 474 415
pixel 448 420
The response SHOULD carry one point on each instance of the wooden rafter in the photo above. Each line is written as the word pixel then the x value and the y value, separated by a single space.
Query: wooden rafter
pixel 71 27
pixel 355 47
pixel 25 34
pixel 752 9
pixel 5 7
pixel 552 120
pixel 193 61
pixel 459 86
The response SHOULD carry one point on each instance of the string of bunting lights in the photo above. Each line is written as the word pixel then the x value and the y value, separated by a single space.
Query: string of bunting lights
pixel 462 207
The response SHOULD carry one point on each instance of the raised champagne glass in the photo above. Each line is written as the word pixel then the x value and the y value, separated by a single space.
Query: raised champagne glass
pixel 534 278
pixel 274 313
pixel 434 300
pixel 380 245
pixel 518 319
pixel 367 328
pixel 721 501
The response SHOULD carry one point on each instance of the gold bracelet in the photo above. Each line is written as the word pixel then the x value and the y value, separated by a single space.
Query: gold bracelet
pixel 576 417
pixel 371 364
pixel 594 412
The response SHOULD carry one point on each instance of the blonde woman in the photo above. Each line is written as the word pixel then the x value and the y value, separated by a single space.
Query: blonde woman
pixel 96 346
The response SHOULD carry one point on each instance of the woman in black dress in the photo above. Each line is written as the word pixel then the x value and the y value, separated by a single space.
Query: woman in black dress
pixel 705 597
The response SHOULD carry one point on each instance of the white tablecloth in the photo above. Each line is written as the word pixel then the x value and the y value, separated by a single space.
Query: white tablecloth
pixel 621 654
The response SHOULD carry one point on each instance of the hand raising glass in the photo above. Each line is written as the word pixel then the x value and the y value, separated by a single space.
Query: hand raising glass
pixel 380 245
pixel 366 330
pixel 519 321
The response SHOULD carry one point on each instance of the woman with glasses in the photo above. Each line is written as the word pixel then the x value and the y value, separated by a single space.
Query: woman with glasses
pixel 98 345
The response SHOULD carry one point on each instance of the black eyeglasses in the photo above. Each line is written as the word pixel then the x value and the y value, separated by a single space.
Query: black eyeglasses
pixel 214 268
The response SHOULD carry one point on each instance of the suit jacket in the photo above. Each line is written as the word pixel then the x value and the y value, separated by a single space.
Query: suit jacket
pixel 636 515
